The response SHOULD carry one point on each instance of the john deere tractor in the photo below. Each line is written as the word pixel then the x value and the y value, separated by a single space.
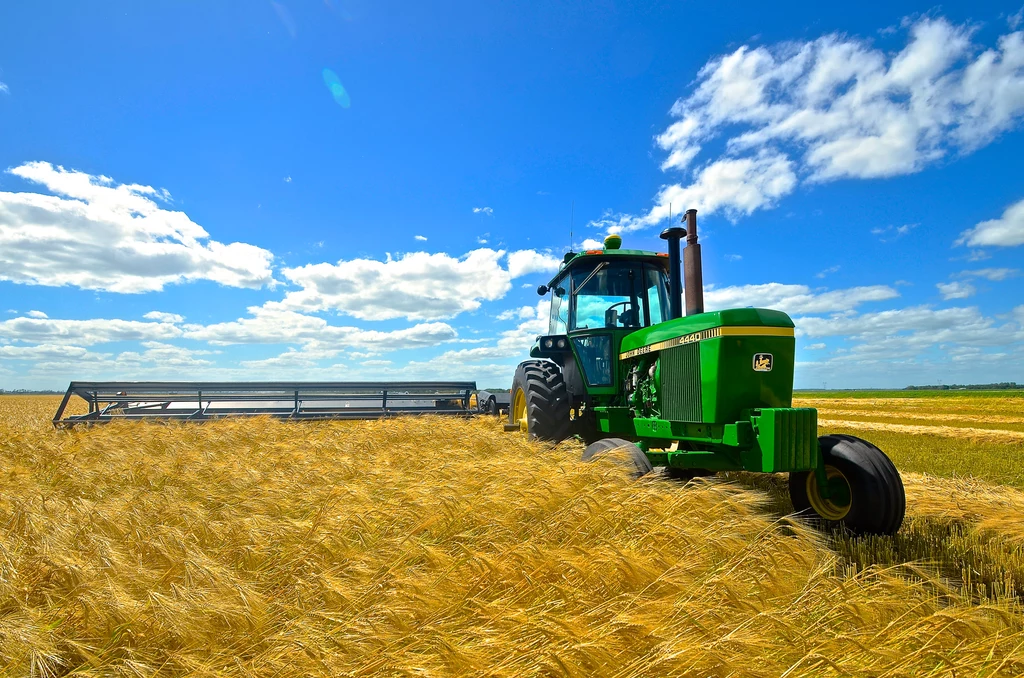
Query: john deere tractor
pixel 622 367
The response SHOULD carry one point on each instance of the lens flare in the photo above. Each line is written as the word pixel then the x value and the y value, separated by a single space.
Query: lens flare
pixel 286 18
pixel 337 89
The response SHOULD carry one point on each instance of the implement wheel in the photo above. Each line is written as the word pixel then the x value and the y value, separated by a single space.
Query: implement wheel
pixel 865 491
pixel 540 402
pixel 638 463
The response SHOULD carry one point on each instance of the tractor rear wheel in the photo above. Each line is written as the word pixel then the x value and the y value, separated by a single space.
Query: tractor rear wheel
pixel 638 463
pixel 866 493
pixel 540 401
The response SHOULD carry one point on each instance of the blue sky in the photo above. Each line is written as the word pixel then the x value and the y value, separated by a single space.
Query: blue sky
pixel 183 196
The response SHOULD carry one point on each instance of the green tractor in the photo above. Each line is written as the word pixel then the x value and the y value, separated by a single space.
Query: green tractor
pixel 622 367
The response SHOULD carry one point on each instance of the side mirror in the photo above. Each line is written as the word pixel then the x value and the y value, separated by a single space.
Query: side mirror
pixel 542 290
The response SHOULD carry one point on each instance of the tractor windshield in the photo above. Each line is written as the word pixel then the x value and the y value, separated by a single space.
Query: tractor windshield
pixel 618 294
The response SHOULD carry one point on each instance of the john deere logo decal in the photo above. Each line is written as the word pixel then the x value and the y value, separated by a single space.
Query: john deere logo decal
pixel 762 362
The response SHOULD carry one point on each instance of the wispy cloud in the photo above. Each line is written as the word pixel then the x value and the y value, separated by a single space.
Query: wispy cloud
pixel 956 290
pixel 160 316
pixel 827 271
pixel 890 233
pixel 483 210
pixel 796 299
pixel 422 238
pixel 993 274
pixel 4 89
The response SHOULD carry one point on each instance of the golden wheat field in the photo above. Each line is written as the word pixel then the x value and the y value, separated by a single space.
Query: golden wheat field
pixel 436 547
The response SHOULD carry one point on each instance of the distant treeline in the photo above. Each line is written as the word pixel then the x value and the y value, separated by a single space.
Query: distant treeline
pixel 25 391
pixel 1003 386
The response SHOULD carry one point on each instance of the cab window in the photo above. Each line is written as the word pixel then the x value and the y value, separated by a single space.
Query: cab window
pixel 613 294
pixel 558 318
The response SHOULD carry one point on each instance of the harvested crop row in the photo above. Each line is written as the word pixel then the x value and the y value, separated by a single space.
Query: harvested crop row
pixel 949 406
pixel 430 546
pixel 982 434
pixel 966 419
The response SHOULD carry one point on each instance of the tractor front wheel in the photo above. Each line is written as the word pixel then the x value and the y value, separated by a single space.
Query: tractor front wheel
pixel 540 401
pixel 865 491
pixel 637 461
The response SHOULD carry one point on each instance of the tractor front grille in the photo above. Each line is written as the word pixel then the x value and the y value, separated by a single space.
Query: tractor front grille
pixel 680 383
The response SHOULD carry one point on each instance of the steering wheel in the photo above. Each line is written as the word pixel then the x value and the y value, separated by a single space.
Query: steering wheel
pixel 624 305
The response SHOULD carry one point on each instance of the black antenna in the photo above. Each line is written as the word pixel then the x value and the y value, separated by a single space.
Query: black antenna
pixel 572 216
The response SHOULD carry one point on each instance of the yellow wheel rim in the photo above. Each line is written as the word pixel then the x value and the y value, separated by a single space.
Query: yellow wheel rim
pixel 837 506
pixel 519 410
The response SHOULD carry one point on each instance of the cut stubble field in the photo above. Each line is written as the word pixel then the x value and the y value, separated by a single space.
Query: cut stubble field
pixel 430 546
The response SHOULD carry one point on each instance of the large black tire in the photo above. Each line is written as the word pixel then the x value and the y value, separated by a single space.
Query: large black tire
pixel 877 502
pixel 543 412
pixel 638 463
pixel 492 407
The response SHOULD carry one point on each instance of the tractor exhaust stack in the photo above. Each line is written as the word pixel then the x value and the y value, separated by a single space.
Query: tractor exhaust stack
pixel 692 267
pixel 675 284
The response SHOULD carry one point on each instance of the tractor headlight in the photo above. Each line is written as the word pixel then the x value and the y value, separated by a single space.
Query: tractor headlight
pixel 561 343
pixel 548 343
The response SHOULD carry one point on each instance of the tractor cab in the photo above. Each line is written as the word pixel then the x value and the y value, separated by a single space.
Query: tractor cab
pixel 597 298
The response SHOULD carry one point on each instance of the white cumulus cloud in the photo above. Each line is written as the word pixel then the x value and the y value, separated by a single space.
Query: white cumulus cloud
pixel 831 108
pixel 415 286
pixel 1006 231
pixel 96 234
pixel 40 352
pixel 525 262
pixel 85 332
pixel 511 344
